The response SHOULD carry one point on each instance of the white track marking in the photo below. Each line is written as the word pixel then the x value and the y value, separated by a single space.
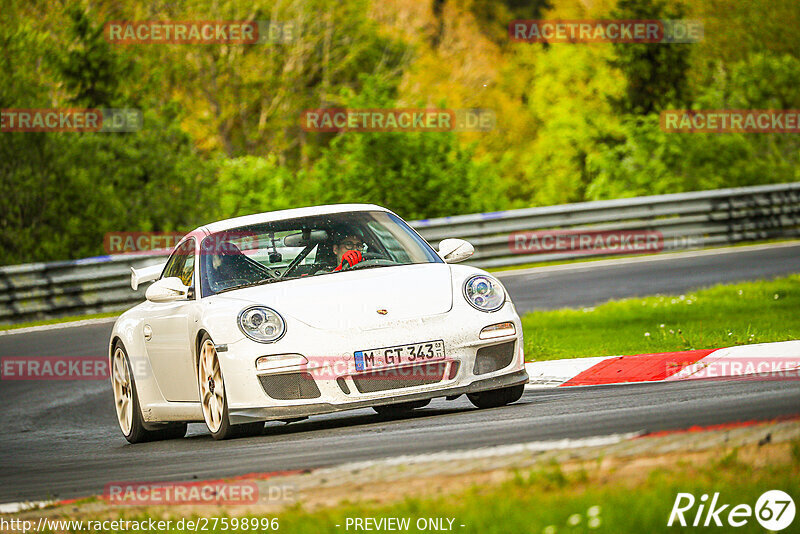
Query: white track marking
pixel 486 452
pixel 744 360
pixel 625 261
pixel 552 373
pixel 57 326
pixel 14 507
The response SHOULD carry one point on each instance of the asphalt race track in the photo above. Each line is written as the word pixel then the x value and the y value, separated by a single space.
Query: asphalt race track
pixel 60 439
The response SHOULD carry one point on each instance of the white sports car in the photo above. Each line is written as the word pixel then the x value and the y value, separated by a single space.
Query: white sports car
pixel 282 315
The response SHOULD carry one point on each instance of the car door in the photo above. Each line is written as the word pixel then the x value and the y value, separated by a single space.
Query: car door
pixel 169 332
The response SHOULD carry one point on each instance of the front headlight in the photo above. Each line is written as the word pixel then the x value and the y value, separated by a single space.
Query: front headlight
pixel 484 293
pixel 261 324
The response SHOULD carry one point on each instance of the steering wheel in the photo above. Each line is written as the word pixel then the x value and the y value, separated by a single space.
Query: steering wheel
pixel 374 262
pixel 367 258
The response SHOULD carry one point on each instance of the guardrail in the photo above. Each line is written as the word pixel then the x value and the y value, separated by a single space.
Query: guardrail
pixel 684 220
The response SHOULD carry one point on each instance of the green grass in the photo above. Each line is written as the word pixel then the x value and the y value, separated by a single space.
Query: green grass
pixel 58 320
pixel 720 316
pixel 549 500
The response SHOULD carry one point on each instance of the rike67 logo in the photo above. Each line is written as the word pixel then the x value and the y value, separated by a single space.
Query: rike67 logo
pixel 774 510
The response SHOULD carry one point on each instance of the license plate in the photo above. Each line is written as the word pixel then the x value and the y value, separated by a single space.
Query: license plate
pixel 428 351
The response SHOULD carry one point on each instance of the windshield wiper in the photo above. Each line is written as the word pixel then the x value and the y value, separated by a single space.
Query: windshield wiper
pixel 368 267
pixel 364 268
pixel 252 284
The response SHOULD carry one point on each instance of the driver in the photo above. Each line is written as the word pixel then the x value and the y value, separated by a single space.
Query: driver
pixel 226 264
pixel 348 251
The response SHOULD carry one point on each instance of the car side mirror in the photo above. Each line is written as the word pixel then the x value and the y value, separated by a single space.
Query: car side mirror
pixel 455 250
pixel 166 290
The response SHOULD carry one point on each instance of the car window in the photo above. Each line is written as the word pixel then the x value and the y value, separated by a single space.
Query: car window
pixel 397 241
pixel 181 263
pixel 308 246
pixel 268 248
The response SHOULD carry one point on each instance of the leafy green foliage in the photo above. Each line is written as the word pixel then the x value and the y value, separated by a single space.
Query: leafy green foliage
pixel 651 161
pixel 252 185
pixel 418 174
pixel 66 190
pixel 90 70
pixel 494 15
pixel 655 74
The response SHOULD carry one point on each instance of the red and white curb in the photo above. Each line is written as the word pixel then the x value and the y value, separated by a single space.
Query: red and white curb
pixel 770 360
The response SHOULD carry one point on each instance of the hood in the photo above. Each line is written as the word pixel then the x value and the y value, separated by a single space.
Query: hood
pixel 344 300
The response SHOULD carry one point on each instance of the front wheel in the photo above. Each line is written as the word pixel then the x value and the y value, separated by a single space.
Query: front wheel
pixel 213 399
pixel 126 402
pixel 496 397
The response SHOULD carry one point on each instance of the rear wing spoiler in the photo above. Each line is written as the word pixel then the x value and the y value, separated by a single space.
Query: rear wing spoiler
pixel 145 274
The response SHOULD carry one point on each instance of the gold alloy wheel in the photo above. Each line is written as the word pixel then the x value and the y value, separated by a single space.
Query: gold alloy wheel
pixel 123 392
pixel 212 389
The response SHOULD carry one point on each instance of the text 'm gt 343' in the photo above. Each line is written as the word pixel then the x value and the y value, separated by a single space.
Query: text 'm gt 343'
pixel 283 315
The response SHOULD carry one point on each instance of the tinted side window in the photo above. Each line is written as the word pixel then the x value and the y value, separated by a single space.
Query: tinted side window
pixel 181 263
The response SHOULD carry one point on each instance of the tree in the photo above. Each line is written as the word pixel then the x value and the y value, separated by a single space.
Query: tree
pixel 417 174
pixel 91 71
pixel 567 100
pixel 247 100
pixel 63 191
pixel 655 73
pixel 651 161
pixel 493 16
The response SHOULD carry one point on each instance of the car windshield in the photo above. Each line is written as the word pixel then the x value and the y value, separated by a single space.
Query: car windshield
pixel 308 246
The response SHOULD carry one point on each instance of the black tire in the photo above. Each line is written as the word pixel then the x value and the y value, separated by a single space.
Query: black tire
pixel 402 408
pixel 496 397
pixel 141 432
pixel 226 430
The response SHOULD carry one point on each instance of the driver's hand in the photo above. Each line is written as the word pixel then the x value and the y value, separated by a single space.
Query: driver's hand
pixel 351 257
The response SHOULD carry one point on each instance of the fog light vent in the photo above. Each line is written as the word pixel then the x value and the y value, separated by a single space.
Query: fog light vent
pixel 290 386
pixel 493 358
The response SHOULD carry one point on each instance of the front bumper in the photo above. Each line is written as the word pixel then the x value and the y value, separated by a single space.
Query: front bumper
pixel 246 415
pixel 459 329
